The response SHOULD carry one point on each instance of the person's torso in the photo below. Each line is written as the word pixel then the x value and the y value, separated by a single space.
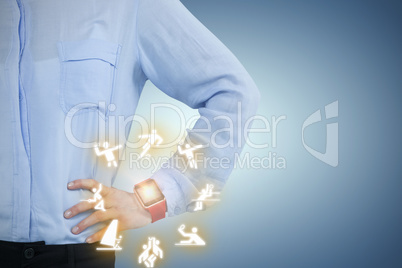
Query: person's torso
pixel 62 63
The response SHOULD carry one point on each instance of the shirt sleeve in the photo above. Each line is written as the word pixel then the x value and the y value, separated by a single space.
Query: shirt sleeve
pixel 187 62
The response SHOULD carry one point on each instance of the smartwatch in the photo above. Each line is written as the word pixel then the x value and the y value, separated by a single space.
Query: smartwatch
pixel 151 198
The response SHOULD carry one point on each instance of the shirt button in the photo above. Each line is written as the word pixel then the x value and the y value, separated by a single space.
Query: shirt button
pixel 29 253
pixel 177 210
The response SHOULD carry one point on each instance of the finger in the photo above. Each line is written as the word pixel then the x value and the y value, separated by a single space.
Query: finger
pixel 96 237
pixel 88 184
pixel 78 208
pixel 97 216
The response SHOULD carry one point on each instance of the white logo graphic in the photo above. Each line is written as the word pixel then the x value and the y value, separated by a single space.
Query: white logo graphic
pixel 198 206
pixel 204 196
pixel 97 196
pixel 109 238
pixel 108 152
pixel 330 156
pixel 189 154
pixel 193 238
pixel 151 251
pixel 153 140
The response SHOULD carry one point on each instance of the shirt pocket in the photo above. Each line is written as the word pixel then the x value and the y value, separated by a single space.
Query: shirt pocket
pixel 87 78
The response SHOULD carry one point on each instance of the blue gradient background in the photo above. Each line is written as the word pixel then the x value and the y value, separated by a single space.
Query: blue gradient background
pixel 303 55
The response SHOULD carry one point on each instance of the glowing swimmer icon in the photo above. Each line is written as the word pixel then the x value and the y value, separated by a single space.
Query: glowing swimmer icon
pixel 193 238
pixel 189 152
pixel 108 152
pixel 153 140
pixel 151 252
pixel 109 238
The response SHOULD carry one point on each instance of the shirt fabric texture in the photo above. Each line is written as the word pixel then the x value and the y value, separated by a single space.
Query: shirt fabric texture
pixel 57 56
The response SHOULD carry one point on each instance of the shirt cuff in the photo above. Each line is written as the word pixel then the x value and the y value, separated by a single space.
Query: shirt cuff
pixel 177 189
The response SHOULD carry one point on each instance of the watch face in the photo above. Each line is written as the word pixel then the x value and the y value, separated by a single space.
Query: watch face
pixel 149 193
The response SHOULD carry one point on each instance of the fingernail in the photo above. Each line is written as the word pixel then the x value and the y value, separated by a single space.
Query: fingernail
pixel 67 213
pixel 75 229
pixel 89 240
pixel 70 184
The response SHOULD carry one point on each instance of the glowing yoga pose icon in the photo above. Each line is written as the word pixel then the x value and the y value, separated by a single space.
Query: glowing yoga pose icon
pixel 147 257
pixel 153 140
pixel 194 238
pixel 108 152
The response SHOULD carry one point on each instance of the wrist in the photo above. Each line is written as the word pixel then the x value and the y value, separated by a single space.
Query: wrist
pixel 145 215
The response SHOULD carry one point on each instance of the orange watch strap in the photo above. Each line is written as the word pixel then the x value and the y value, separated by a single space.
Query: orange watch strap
pixel 158 211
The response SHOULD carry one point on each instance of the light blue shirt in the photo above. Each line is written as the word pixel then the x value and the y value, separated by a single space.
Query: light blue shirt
pixel 55 55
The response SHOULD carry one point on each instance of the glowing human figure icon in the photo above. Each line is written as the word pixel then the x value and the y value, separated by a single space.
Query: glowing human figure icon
pixel 100 206
pixel 108 153
pixel 198 206
pixel 205 194
pixel 97 196
pixel 189 152
pixel 193 238
pixel 153 140
pixel 109 238
pixel 151 252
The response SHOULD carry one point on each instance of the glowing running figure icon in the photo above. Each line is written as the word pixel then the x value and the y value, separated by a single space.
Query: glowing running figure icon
pixel 189 153
pixel 147 257
pixel 97 196
pixel 194 238
pixel 109 238
pixel 108 152
pixel 153 140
